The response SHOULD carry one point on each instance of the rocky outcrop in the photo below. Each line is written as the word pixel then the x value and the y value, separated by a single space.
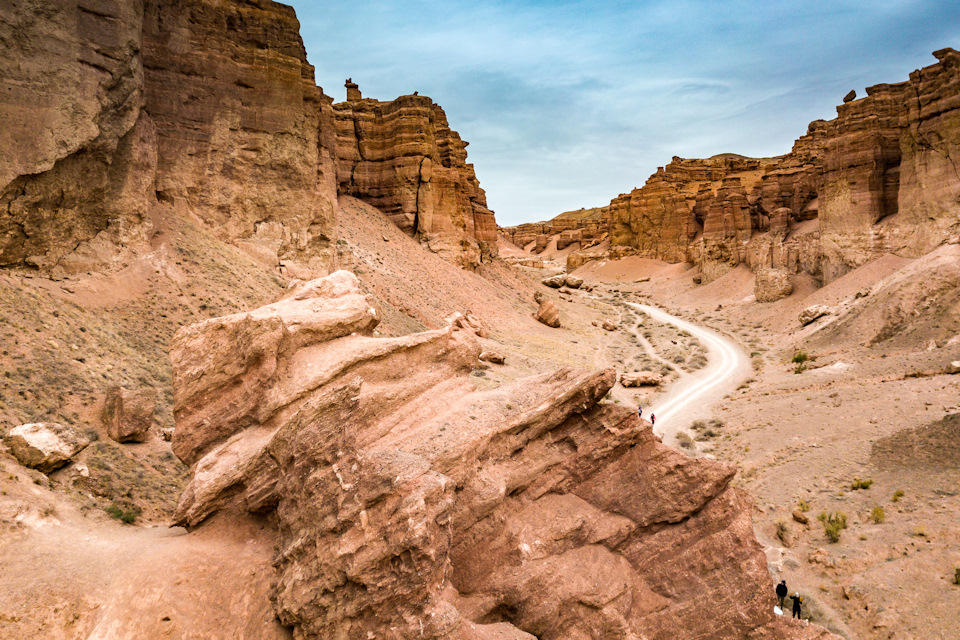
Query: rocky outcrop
pixel 119 113
pixel 584 227
pixel 45 446
pixel 128 415
pixel 200 107
pixel 410 503
pixel 879 178
pixel 403 158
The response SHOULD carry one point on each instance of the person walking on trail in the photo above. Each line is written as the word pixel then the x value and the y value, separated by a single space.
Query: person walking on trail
pixel 653 419
pixel 797 600
pixel 782 592
pixel 639 412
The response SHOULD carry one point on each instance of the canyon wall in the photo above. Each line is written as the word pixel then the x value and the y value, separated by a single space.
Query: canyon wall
pixel 403 158
pixel 880 178
pixel 118 113
pixel 584 226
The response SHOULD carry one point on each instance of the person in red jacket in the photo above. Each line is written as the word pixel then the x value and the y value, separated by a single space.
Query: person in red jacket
pixel 653 419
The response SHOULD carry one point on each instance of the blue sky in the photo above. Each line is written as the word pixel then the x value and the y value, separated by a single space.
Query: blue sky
pixel 567 104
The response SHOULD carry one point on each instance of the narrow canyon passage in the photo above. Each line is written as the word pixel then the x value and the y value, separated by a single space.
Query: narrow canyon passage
pixel 693 395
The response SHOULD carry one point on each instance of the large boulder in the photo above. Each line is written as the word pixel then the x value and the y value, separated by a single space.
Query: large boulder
pixel 641 379
pixel 548 314
pixel 574 282
pixel 812 313
pixel 45 446
pixel 771 285
pixel 128 415
pixel 556 281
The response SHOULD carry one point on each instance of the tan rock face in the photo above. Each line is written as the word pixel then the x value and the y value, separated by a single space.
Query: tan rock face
pixel 203 108
pixel 403 158
pixel 771 285
pixel 128 415
pixel 45 446
pixel 77 159
pixel 412 504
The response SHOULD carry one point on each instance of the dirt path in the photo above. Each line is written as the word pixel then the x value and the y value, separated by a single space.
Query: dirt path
pixel 695 394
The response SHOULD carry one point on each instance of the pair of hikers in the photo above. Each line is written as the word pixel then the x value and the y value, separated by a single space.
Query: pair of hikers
pixel 796 597
pixel 653 417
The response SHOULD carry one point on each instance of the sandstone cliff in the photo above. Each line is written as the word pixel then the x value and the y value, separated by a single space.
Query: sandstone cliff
pixel 205 108
pixel 403 158
pixel 583 226
pixel 879 178
pixel 411 503
pixel 118 113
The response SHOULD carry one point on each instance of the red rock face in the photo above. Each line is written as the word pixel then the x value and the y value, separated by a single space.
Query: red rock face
pixel 207 109
pixel 245 139
pixel 412 504
pixel 403 158
pixel 879 178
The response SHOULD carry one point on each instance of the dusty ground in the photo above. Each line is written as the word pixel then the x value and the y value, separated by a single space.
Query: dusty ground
pixel 872 413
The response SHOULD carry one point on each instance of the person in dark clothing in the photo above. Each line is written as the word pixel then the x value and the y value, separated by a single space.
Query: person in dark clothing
pixel 782 592
pixel 639 411
pixel 797 599
pixel 653 419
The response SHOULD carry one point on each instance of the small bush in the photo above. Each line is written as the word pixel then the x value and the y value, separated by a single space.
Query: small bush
pixel 833 524
pixel 803 506
pixel 698 425
pixel 897 495
pixel 956 576
pixel 860 484
pixel 684 440
pixel 126 516
pixel 783 531
pixel 800 357
pixel 877 516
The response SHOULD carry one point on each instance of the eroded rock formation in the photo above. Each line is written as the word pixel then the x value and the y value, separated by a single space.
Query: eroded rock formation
pixel 403 158
pixel 879 178
pixel 411 504
pixel 117 113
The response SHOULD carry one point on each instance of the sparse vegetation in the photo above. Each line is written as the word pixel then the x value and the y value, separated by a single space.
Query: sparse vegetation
pixel 858 484
pixel 126 516
pixel 799 357
pixel 684 440
pixel 956 576
pixel 803 506
pixel 898 494
pixel 877 516
pixel 833 524
pixel 783 531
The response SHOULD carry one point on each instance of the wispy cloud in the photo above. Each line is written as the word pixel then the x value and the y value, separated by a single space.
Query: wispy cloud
pixel 568 103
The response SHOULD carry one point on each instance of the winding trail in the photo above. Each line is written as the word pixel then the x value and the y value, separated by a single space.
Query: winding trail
pixel 693 395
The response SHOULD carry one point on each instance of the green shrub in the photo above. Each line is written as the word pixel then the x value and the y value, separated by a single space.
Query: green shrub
pixel 861 484
pixel 803 506
pixel 833 524
pixel 799 357
pixel 877 516
pixel 126 516
pixel 897 495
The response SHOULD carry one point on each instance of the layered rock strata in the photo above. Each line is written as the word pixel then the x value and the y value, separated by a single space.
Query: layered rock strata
pixel 410 503
pixel 403 158
pixel 583 226
pixel 117 113
pixel 879 178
